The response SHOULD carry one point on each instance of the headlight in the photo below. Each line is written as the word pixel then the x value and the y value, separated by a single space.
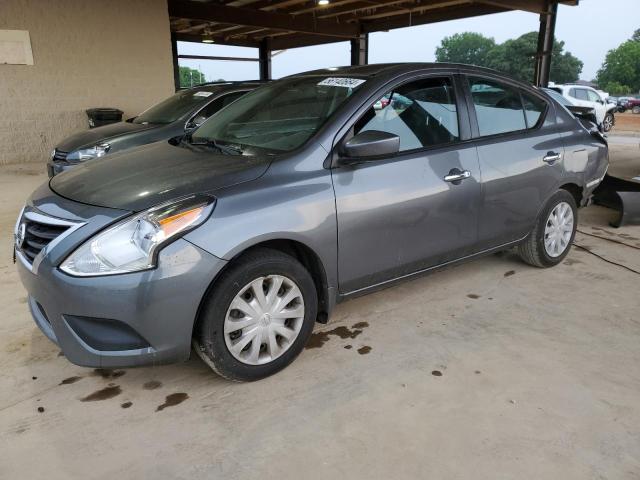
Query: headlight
pixel 131 245
pixel 96 151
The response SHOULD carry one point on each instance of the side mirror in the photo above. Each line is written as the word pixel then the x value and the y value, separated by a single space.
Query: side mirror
pixel 195 122
pixel 368 145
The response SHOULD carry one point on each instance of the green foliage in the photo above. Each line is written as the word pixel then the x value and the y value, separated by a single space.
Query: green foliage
pixel 515 57
pixel 616 89
pixel 636 36
pixel 467 47
pixel 622 65
pixel 190 77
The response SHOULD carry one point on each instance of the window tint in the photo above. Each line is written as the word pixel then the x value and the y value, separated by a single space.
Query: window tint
pixel 498 107
pixel 422 113
pixel 534 107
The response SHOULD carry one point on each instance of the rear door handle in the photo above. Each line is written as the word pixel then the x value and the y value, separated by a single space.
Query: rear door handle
pixel 551 158
pixel 456 176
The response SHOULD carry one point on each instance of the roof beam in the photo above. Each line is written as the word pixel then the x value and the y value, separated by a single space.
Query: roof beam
pixel 533 6
pixel 214 12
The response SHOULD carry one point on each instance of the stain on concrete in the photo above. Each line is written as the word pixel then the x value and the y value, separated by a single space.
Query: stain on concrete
pixel 473 296
pixel 34 378
pixel 172 400
pixel 152 385
pixel 364 350
pixel 348 347
pixel 477 372
pixel 509 273
pixel 318 339
pixel 70 380
pixel 572 261
pixel 126 404
pixel 360 325
pixel 108 373
pixel 103 394
pixel 436 373
pixel 40 409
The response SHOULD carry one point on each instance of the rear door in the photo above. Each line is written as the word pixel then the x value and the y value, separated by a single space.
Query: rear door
pixel 398 215
pixel 520 156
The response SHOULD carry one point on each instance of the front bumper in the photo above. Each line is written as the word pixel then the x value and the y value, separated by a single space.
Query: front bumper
pixel 134 319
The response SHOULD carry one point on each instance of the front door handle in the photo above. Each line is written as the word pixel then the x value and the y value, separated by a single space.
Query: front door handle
pixel 551 158
pixel 455 176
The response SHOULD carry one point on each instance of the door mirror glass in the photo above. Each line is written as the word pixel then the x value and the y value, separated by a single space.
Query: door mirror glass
pixel 371 143
pixel 195 122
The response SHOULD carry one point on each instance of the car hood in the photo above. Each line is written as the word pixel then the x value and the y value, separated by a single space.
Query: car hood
pixel 142 177
pixel 88 138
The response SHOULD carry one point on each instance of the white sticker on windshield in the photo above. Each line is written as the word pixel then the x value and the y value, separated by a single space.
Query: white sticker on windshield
pixel 341 82
pixel 202 94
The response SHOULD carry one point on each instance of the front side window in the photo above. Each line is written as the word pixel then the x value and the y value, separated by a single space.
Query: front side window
pixel 498 107
pixel 280 116
pixel 593 96
pixel 422 113
pixel 174 107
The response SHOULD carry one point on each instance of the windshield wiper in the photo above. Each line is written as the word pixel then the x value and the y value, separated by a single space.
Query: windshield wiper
pixel 226 149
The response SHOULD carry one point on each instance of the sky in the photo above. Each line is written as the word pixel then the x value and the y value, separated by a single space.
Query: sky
pixel 589 31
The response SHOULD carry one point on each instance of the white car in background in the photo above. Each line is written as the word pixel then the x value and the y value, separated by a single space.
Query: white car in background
pixel 583 96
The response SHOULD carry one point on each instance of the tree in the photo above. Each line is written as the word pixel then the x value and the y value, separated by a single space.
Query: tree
pixel 190 77
pixel 636 36
pixel 615 88
pixel 467 47
pixel 622 65
pixel 517 58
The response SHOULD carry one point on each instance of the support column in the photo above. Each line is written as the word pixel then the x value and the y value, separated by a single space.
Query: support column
pixel 176 66
pixel 264 57
pixel 546 35
pixel 360 50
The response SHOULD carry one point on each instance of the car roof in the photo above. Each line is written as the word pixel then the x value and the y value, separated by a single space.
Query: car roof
pixel 375 69
pixel 217 86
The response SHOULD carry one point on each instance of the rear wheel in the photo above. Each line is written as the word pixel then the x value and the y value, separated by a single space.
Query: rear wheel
pixel 551 238
pixel 258 317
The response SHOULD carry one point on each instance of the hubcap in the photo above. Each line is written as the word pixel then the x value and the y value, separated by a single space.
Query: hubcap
pixel 608 123
pixel 264 319
pixel 558 231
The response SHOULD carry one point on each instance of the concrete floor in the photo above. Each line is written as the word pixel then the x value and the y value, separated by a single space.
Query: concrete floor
pixel 491 370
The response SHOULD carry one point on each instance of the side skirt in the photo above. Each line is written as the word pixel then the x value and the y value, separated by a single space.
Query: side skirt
pixel 389 283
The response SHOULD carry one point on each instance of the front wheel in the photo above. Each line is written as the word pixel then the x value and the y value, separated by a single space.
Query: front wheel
pixel 607 123
pixel 552 236
pixel 258 316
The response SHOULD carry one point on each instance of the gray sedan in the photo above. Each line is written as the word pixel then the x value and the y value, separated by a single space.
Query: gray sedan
pixel 174 116
pixel 305 192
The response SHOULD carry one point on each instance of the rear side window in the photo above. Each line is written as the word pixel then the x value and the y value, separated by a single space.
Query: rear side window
pixel 534 108
pixel 422 113
pixel 498 107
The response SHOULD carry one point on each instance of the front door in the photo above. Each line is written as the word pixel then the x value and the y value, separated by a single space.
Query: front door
pixel 399 215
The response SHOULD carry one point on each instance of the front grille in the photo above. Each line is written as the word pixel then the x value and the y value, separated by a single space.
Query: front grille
pixel 59 156
pixel 37 234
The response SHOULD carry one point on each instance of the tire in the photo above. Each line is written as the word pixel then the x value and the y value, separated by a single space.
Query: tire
pixel 274 351
pixel 636 109
pixel 533 250
pixel 608 122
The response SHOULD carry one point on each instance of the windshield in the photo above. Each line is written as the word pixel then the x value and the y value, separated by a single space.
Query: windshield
pixel 174 107
pixel 280 116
